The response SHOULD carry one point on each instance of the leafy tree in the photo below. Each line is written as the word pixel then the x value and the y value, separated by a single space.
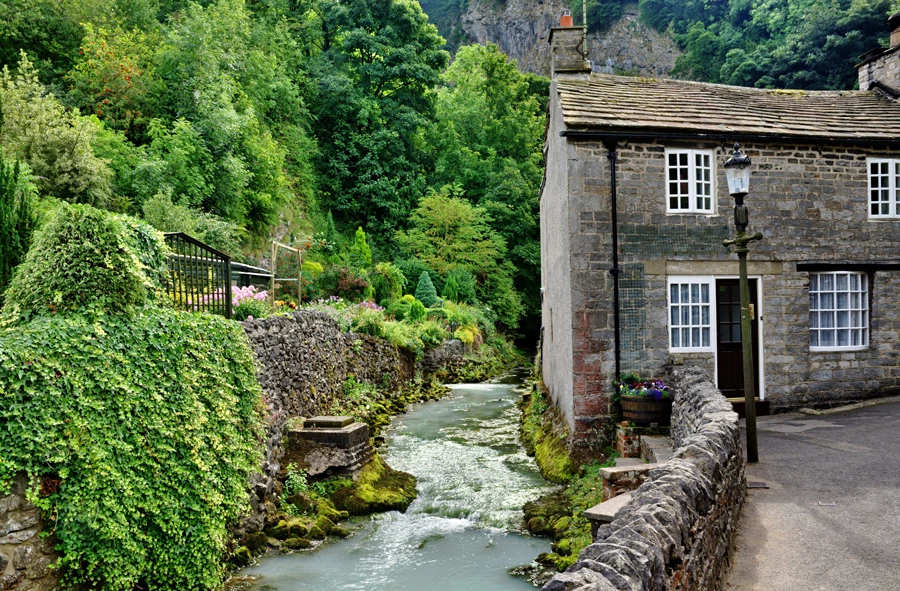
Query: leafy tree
pixel 465 285
pixel 380 59
pixel 17 219
pixel 388 282
pixel 166 216
pixel 425 291
pixel 54 141
pixel 488 138
pixel 448 233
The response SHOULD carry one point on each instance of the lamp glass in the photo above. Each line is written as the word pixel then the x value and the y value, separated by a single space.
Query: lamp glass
pixel 738 179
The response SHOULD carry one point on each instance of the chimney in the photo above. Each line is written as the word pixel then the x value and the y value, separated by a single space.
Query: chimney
pixel 567 49
pixel 880 68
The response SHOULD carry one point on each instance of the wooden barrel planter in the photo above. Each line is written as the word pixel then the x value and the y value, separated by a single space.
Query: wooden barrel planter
pixel 645 411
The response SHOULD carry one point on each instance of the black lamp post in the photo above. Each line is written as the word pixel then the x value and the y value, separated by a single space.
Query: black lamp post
pixel 737 171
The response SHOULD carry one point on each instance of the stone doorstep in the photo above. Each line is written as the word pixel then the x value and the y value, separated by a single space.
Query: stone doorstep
pixel 620 462
pixel 605 512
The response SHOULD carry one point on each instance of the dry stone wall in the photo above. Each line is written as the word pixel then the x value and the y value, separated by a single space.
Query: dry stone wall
pixel 677 533
pixel 25 557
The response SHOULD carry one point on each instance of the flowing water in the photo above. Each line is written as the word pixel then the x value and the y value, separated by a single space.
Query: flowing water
pixel 461 533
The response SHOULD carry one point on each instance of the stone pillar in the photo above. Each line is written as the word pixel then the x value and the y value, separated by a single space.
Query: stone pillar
pixel 567 51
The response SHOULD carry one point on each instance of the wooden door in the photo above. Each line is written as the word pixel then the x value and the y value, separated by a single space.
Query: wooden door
pixel 729 357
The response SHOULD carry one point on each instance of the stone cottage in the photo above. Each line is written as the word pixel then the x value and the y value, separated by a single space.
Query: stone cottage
pixel 635 206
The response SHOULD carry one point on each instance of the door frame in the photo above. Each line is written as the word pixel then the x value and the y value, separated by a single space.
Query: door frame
pixel 714 348
pixel 761 378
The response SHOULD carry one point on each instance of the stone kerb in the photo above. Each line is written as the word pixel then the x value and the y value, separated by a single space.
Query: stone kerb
pixel 677 533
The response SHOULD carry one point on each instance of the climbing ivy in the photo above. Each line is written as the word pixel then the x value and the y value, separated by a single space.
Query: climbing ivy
pixel 141 423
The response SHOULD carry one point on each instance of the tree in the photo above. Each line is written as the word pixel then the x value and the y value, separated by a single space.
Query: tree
pixel 360 253
pixel 380 60
pixel 55 142
pixel 451 289
pixel 425 291
pixel 17 219
pixel 447 232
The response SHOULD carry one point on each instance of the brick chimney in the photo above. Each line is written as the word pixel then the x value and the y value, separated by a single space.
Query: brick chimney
pixel 567 49
pixel 880 69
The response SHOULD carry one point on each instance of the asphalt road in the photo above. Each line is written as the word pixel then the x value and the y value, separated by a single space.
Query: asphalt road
pixel 830 519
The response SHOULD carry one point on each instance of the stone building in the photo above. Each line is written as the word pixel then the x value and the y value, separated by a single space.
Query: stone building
pixel 635 207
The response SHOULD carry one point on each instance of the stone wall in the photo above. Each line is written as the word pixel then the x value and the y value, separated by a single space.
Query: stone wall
pixel 304 360
pixel 677 533
pixel 25 557
pixel 884 68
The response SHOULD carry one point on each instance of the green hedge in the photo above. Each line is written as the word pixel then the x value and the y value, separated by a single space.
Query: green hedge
pixel 151 423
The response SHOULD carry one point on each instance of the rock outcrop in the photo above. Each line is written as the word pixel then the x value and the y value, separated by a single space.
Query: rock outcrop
pixel 521 28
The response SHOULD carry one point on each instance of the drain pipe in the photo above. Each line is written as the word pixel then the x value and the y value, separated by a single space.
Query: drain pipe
pixel 611 144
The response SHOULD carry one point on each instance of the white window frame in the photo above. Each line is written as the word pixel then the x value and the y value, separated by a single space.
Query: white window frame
pixel 892 188
pixel 700 281
pixel 826 301
pixel 692 182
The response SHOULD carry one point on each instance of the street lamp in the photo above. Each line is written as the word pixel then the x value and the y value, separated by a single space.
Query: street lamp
pixel 737 171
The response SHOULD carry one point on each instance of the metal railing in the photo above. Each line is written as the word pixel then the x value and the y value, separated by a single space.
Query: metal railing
pixel 199 278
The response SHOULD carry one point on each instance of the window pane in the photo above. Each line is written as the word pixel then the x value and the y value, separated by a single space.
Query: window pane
pixel 685 297
pixel 674 316
pixel 813 283
pixel 826 301
pixel 684 200
pixel 673 292
pixel 695 315
pixel 843 319
pixel 695 293
pixel 695 336
pixel 814 338
pixel 676 341
pixel 813 301
pixel 683 159
pixel 826 282
pixel 843 301
pixel 842 282
pixel 686 315
pixel 814 320
pixel 827 319
pixel 685 337
pixel 826 338
pixel 843 338
pixel 854 282
pixel 704 293
pixel 854 338
pixel 706 337
pixel 705 315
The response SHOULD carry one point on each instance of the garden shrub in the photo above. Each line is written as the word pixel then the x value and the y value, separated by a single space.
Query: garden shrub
pixel 401 308
pixel 465 285
pixel 451 289
pixel 425 291
pixel 84 259
pixel 403 335
pixel 417 311
pixel 369 321
pixel 432 334
pixel 388 282
pixel 17 218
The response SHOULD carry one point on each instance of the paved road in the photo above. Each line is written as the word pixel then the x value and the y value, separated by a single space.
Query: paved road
pixel 830 520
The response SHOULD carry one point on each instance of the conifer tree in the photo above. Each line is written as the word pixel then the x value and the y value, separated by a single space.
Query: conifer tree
pixel 16 221
pixel 425 291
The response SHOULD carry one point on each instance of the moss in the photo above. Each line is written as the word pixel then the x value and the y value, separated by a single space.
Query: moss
pixel 241 557
pixel 378 488
pixel 542 432
pixel 297 529
pixel 340 532
pixel 552 458
pixel 297 544
pixel 255 542
pixel 280 531
pixel 316 533
pixel 561 526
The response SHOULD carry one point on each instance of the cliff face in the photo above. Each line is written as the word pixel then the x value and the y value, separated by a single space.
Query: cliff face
pixel 522 28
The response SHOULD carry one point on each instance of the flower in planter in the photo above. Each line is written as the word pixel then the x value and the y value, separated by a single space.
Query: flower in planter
pixel 632 385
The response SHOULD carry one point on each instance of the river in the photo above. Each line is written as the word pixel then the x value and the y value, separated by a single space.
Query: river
pixel 463 532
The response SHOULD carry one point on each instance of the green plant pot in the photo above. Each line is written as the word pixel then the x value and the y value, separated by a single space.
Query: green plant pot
pixel 647 411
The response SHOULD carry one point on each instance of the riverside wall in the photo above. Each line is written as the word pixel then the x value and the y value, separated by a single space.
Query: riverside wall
pixel 678 531
pixel 25 555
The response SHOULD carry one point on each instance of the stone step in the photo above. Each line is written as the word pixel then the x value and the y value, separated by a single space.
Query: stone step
pixel 657 449
pixel 629 462
pixel 605 512
pixel 327 422
pixel 627 471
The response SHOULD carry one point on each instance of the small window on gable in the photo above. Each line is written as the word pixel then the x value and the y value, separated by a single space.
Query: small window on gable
pixel 689 181
pixel 884 188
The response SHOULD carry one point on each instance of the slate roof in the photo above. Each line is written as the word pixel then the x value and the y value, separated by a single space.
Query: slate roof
pixel 623 103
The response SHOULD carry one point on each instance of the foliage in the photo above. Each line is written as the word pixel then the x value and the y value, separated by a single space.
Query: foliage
pixel 803 44
pixel 343 283
pixel 465 285
pixel 388 282
pixel 151 423
pixel 600 13
pixel 381 57
pixel 403 335
pixel 54 141
pixel 451 289
pixel 166 216
pixel 360 253
pixel 369 321
pixel 83 260
pixel 17 219
pixel 417 311
pixel 425 291
pixel 448 233
pixel 432 334
pixel 632 385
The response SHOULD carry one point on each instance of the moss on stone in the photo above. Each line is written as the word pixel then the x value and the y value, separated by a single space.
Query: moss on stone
pixel 241 557
pixel 552 458
pixel 297 544
pixel 378 488
pixel 542 432
pixel 340 532
pixel 280 531
pixel 297 529
pixel 316 533
pixel 255 542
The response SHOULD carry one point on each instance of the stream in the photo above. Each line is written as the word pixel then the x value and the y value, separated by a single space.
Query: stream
pixel 463 532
